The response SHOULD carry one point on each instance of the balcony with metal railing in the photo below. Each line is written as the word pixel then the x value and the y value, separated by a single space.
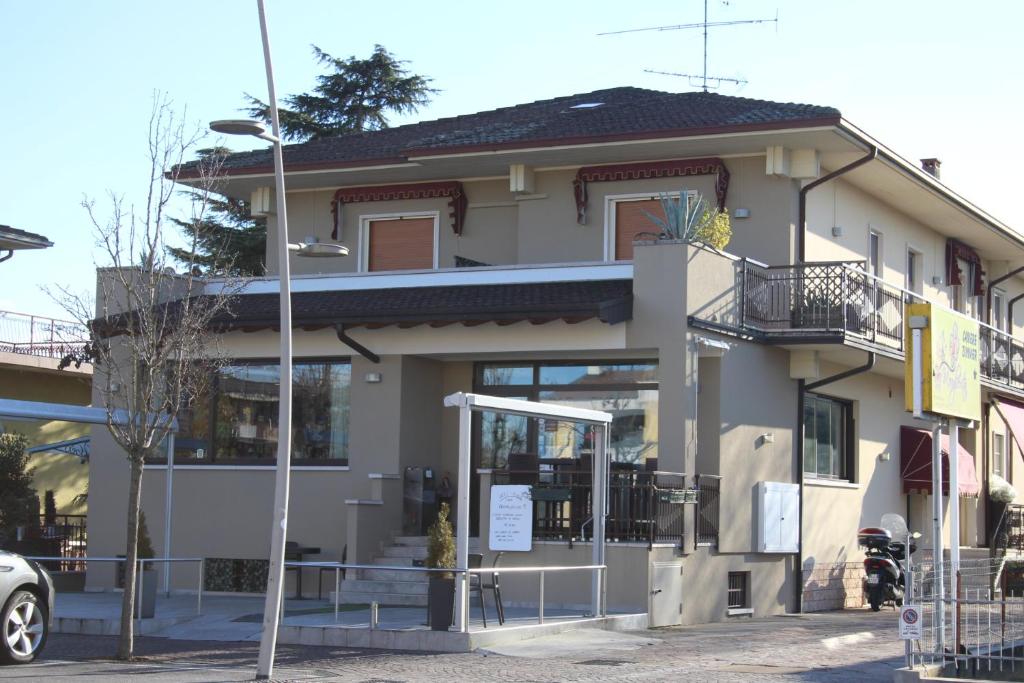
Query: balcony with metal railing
pixel 838 302
pixel 35 335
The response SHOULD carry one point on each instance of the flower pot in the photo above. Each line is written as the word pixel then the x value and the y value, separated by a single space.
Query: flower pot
pixel 145 594
pixel 440 602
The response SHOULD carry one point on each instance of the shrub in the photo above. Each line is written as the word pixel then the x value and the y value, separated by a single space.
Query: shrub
pixel 19 505
pixel 441 542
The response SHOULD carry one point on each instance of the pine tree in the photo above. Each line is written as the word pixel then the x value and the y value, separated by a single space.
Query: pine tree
pixel 356 96
pixel 228 240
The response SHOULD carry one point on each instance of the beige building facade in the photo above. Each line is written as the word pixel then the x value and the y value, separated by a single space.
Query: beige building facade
pixel 535 280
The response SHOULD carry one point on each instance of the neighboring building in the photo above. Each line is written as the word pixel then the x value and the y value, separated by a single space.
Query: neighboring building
pixel 31 347
pixel 497 253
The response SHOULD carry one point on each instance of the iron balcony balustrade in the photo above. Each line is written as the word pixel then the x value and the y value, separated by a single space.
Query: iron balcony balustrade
pixel 643 506
pixel 35 335
pixel 839 302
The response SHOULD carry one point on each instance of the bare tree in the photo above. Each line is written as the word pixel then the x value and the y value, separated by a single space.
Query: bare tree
pixel 151 342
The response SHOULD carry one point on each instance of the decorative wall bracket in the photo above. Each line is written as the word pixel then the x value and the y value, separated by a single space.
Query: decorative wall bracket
pixel 453 190
pixel 647 170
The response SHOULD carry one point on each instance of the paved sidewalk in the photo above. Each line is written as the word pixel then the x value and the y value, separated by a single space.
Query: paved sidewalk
pixel 840 647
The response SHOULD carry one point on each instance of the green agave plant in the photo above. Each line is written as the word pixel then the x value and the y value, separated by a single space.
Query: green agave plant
pixel 692 220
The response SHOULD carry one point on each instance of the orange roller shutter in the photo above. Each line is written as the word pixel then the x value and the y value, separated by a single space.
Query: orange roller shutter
pixel 404 244
pixel 630 220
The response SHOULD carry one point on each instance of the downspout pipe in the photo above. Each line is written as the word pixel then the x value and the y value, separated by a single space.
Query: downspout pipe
pixel 988 293
pixel 10 253
pixel 802 215
pixel 1009 312
pixel 802 388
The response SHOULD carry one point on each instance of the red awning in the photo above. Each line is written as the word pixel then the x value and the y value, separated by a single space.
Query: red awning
pixel 916 464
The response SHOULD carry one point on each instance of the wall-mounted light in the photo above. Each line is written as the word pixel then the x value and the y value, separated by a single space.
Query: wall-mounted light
pixel 741 213
pixel 373 378
pixel 837 231
pixel 936 279
pixel 885 456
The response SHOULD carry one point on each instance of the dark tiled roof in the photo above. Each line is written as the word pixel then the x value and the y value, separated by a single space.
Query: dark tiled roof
pixel 607 300
pixel 624 113
pixel 26 240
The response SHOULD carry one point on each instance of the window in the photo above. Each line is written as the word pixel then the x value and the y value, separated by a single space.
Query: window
pixel 628 390
pixel 875 253
pixel 399 242
pixel 629 220
pixel 828 431
pixel 739 590
pixel 236 422
pixel 913 283
pixel 999 454
pixel 998 310
pixel 962 294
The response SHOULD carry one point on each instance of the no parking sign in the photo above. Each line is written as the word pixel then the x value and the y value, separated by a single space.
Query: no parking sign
pixel 910 622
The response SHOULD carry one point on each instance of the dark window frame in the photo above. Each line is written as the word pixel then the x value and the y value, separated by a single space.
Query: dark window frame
pixel 533 390
pixel 211 459
pixel 737 592
pixel 848 443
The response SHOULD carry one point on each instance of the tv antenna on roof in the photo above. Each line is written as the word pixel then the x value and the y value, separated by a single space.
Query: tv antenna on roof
pixel 702 79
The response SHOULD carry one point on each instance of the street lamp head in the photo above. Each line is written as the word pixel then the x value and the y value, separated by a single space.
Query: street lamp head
pixel 312 247
pixel 242 127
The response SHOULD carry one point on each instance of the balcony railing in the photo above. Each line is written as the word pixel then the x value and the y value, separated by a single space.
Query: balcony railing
pixel 709 496
pixel 34 335
pixel 840 301
pixel 643 506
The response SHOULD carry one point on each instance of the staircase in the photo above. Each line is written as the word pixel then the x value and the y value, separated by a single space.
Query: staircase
pixel 392 587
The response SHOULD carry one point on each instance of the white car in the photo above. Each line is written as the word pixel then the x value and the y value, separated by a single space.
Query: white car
pixel 26 594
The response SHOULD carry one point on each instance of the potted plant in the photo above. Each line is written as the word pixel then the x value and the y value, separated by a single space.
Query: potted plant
pixel 441 555
pixel 692 219
pixel 145 588
pixel 1001 493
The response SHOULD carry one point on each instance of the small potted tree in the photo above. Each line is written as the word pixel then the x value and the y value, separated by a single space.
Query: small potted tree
pixel 145 590
pixel 441 555
pixel 691 218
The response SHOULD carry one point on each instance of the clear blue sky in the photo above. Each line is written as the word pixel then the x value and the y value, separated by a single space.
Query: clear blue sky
pixel 927 77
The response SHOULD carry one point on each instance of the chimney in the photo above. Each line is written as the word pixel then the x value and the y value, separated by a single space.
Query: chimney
pixel 931 165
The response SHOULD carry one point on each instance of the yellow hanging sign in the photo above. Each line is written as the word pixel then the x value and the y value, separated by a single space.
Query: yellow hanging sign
pixel 950 367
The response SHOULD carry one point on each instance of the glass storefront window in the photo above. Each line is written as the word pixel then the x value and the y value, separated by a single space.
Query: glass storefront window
pixel 239 417
pixel 629 391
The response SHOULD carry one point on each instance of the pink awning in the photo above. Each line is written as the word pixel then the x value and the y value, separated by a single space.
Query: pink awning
pixel 916 464
pixel 1013 415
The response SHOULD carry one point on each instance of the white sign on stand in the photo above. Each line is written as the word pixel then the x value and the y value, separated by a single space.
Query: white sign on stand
pixel 511 525
pixel 911 622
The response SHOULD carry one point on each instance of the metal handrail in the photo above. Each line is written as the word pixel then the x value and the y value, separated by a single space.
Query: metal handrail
pixel 465 572
pixel 141 562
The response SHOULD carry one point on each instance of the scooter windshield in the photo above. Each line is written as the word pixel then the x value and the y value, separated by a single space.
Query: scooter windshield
pixel 895 524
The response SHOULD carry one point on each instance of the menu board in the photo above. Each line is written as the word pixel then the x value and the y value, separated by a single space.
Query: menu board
pixel 511 525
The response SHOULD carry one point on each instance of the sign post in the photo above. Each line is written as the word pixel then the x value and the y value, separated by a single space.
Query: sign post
pixel 942 384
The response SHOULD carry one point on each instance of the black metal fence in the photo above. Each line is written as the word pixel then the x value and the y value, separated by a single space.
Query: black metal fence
pixel 708 499
pixel 643 506
pixel 67 538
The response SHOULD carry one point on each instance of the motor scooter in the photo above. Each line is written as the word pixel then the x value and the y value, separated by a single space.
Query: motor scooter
pixel 884 564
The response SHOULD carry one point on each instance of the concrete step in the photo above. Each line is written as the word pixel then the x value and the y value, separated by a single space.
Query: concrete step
pixel 369 586
pixel 414 551
pixel 393 561
pixel 391 575
pixel 410 540
pixel 397 599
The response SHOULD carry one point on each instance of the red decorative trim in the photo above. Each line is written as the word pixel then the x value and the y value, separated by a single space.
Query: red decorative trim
pixel 955 249
pixel 379 193
pixel 646 170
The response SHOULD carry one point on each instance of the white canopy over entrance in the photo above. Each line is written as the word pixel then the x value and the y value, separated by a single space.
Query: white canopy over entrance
pixel 467 403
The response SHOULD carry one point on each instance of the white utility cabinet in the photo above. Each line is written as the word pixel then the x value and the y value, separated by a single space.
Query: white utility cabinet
pixel 778 517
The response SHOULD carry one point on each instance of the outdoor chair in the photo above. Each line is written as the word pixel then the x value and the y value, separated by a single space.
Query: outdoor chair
pixel 320 574
pixel 494 586
pixel 476 584
pixel 523 468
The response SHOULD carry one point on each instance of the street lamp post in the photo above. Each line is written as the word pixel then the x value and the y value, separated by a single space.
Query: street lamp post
pixel 279 530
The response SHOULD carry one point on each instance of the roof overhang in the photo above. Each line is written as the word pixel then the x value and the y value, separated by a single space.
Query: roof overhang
pixel 12 239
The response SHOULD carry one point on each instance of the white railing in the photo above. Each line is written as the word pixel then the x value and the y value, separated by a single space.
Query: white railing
pixel 141 565
pixel 36 335
pixel 600 569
